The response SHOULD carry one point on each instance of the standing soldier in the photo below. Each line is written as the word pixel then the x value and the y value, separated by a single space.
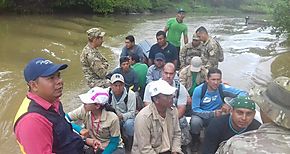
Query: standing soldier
pixel 212 52
pixel 274 135
pixel 175 28
pixel 94 64
pixel 190 50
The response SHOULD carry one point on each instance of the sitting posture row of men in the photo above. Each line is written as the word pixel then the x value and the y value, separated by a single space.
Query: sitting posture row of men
pixel 41 127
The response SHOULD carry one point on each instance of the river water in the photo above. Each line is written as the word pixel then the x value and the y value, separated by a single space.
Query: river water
pixel 252 54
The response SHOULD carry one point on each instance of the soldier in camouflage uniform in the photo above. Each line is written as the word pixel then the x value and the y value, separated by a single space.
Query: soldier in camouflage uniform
pixel 212 53
pixel 94 64
pixel 274 135
pixel 190 50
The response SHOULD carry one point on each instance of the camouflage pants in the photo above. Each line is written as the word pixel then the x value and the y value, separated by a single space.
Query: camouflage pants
pixel 185 131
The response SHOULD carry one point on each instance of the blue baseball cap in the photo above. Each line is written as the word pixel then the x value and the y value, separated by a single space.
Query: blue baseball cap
pixel 159 56
pixel 40 67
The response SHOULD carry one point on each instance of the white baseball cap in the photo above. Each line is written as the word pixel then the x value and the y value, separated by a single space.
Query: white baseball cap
pixel 161 87
pixel 117 77
pixel 95 95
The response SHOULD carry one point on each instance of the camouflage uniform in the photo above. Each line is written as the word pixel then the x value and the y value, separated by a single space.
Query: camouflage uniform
pixel 185 77
pixel 187 52
pixel 273 137
pixel 94 66
pixel 212 53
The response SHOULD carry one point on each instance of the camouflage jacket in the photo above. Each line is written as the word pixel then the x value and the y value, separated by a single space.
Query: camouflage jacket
pixel 187 52
pixel 94 65
pixel 185 77
pixel 269 138
pixel 212 53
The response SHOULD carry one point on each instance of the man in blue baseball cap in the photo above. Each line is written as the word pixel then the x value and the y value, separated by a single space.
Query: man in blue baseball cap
pixel 40 125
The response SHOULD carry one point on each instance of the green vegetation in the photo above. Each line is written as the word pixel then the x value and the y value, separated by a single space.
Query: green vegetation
pixel 281 17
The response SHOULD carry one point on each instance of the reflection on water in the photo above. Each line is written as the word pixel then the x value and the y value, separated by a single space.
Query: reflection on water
pixel 249 53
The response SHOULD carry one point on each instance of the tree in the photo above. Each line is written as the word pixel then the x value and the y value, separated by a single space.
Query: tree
pixel 281 17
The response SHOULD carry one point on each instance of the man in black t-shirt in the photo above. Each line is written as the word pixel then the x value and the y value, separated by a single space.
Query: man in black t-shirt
pixel 164 47
pixel 239 121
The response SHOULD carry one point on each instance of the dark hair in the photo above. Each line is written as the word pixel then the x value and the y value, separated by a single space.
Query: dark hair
pixel 159 33
pixel 201 29
pixel 135 57
pixel 108 107
pixel 124 59
pixel 130 38
pixel 213 70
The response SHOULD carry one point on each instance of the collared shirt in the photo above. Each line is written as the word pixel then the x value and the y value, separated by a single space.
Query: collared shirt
pixel 211 53
pixel 149 134
pixel 135 49
pixel 94 65
pixel 108 126
pixel 185 76
pixel 189 51
pixel 181 100
pixel 170 52
pixel 34 129
pixel 153 74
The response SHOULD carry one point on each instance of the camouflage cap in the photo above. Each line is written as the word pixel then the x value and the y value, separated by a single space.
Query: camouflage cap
pixel 274 100
pixel 95 32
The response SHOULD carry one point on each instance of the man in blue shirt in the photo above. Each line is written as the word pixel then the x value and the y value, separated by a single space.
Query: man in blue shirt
pixel 131 48
pixel 207 102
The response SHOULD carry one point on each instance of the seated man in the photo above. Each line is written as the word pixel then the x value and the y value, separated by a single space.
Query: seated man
pixel 130 76
pixel 179 100
pixel 207 102
pixel 131 48
pixel 190 50
pixel 154 71
pixel 164 47
pixel 141 71
pixel 192 75
pixel 239 121
pixel 157 130
pixel 273 136
pixel 123 101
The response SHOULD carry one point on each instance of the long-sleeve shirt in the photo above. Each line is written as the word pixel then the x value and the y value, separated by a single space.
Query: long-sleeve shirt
pixel 153 74
pixel 205 107
pixel 154 134
pixel 135 49
pixel 126 109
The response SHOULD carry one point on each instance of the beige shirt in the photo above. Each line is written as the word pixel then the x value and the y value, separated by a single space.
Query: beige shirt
pixel 153 136
pixel 101 130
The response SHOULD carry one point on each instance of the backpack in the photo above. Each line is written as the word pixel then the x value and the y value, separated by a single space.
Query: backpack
pixel 220 51
pixel 220 89
pixel 110 96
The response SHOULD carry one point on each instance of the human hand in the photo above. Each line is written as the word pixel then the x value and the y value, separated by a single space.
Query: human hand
pixel 218 113
pixel 226 108
pixel 84 132
pixel 94 143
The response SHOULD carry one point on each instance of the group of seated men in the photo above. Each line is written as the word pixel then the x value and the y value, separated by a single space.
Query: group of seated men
pixel 199 90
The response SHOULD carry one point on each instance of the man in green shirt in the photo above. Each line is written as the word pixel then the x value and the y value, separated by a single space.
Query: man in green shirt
pixel 141 71
pixel 174 28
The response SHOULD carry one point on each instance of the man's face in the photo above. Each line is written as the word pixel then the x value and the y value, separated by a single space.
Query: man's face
pixel 195 43
pixel 180 16
pixel 48 88
pixel 165 100
pixel 168 74
pixel 159 63
pixel 242 117
pixel 129 44
pixel 202 36
pixel 117 88
pixel 161 40
pixel 125 66
pixel 214 81
pixel 98 41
